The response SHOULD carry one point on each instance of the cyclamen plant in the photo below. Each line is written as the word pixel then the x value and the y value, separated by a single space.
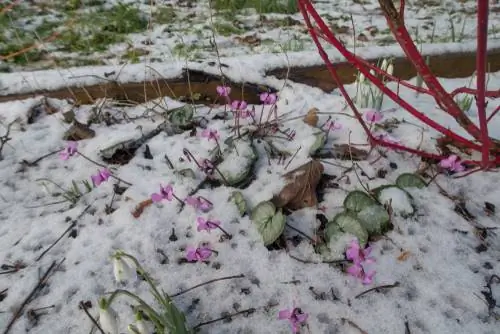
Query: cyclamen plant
pixel 360 258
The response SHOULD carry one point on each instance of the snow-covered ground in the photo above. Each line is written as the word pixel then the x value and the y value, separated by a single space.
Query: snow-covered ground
pixel 103 32
pixel 433 267
pixel 440 261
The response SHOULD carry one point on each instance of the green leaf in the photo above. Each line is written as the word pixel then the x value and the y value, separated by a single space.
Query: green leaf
pixel 238 199
pixel 357 200
pixel 350 224
pixel 182 116
pixel 318 143
pixel 332 231
pixel 270 223
pixel 374 219
pixel 409 180
pixel 87 185
pixel 401 202
pixel 238 162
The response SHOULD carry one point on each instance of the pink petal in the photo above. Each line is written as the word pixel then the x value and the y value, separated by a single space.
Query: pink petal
pixel 191 254
pixel 205 133
pixel 355 270
pixel 190 200
pixel 156 197
pixel 204 253
pixel 284 314
pixel 368 279
pixel 64 155
pixel 96 179
pixel 205 207
pixel 202 224
pixel 302 317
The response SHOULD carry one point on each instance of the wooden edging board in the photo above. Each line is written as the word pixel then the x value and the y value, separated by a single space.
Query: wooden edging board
pixel 448 61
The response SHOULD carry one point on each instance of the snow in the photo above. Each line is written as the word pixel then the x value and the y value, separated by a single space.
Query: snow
pixel 238 71
pixel 440 280
pixel 398 200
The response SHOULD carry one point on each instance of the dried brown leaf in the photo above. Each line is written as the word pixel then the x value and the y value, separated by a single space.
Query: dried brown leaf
pixel 311 117
pixel 300 191
pixel 404 255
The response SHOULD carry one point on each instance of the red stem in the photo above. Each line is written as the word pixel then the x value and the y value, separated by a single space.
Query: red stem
pixel 440 95
pixel 482 49
pixel 494 94
pixel 306 9
pixel 493 113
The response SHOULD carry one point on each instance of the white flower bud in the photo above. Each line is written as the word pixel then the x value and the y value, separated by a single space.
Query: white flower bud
pixel 385 63
pixel 390 69
pixel 140 326
pixel 361 78
pixel 108 319
pixel 122 270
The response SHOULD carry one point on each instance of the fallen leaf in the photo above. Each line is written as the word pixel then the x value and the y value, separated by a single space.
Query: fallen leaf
pixel 311 117
pixel 139 209
pixel 300 191
pixel 404 255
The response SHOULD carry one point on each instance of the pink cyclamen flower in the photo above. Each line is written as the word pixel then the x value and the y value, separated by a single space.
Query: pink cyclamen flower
pixel 69 151
pixel 452 163
pixel 165 193
pixel 373 116
pixel 268 98
pixel 223 91
pixel 199 203
pixel 198 254
pixel 332 126
pixel 239 105
pixel 295 316
pixel 101 176
pixel 358 255
pixel 358 271
pixel 207 166
pixel 207 225
pixel 210 134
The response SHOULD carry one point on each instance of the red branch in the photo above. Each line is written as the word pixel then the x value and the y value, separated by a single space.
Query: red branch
pixel 395 19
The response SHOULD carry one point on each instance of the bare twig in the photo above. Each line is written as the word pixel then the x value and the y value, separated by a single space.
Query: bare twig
pixel 377 288
pixel 94 321
pixel 207 282
pixel 27 300
pixel 229 316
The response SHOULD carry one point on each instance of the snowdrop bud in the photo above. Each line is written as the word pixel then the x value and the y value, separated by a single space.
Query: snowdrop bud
pixel 384 65
pixel 390 69
pixel 108 318
pixel 361 78
pixel 122 270
pixel 140 326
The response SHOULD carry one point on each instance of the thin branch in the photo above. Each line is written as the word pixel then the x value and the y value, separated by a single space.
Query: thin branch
pixel 207 282
pixel 33 292
pixel 377 288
